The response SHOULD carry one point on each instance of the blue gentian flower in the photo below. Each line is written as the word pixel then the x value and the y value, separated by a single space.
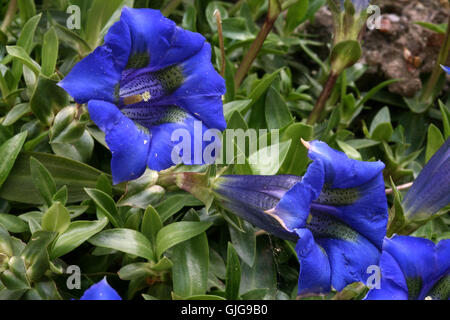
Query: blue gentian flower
pixel 337 213
pixel 100 291
pixel 413 269
pixel 446 69
pixel 148 79
pixel 430 192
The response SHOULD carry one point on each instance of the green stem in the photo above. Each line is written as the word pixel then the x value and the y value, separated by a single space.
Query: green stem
pixel 323 98
pixel 272 15
pixel 172 5
pixel 12 7
pixel 437 71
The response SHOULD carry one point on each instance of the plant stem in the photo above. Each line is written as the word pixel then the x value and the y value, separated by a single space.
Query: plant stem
pixel 437 71
pixel 323 98
pixel 244 67
pixel 172 5
pixel 401 187
pixel 9 15
pixel 221 44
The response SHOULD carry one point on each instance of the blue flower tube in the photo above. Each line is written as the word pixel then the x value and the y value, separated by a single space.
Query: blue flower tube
pixel 337 213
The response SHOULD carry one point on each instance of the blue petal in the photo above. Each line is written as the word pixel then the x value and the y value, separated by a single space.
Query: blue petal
pixel 392 285
pixel 200 93
pixel 315 270
pixel 94 77
pixel 417 260
pixel 164 143
pixel 118 39
pixel 154 34
pixel 430 192
pixel 294 207
pixel 446 69
pixel 100 291
pixel 349 252
pixel 340 170
pixel 129 145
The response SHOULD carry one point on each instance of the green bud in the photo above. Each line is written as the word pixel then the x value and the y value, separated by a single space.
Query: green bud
pixel 66 127
pixel 344 55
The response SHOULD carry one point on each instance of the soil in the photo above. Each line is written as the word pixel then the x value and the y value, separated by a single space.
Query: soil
pixel 400 49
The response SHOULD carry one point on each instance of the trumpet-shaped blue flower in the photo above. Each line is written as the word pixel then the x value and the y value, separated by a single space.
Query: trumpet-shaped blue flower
pixel 100 291
pixel 446 69
pixel 148 79
pixel 413 269
pixel 430 192
pixel 337 213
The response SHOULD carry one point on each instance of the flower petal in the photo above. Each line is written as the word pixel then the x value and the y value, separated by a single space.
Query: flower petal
pixel 417 260
pixel 94 77
pixel 101 291
pixel 392 285
pixel 154 34
pixel 294 207
pixel 350 253
pixel 187 134
pixel 200 93
pixel 340 170
pixel 315 271
pixel 446 69
pixel 430 192
pixel 129 145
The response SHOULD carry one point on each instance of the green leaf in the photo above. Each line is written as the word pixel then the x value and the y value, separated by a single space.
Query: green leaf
pixel 295 15
pixel 277 112
pixel 17 112
pixel 151 224
pixel 106 205
pixel 191 265
pixel 445 119
pixel 297 156
pixel 268 160
pixel 438 28
pixel 178 232
pixel 56 219
pixel 233 274
pixel 75 175
pixel 13 223
pixel 434 141
pixel 77 233
pixel 124 240
pixel 260 89
pixel 349 150
pixel 46 98
pixel 49 52
pixel 244 242
pixel 42 180
pixel 174 203
pixel 35 254
pixel 230 107
pixel 136 270
pixel 26 42
pixel 381 127
pixel 22 56
pixel 27 9
pixel 9 151
pixel 15 277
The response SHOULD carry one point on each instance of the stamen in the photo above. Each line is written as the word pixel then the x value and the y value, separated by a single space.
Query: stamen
pixel 146 96
pixel 133 99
